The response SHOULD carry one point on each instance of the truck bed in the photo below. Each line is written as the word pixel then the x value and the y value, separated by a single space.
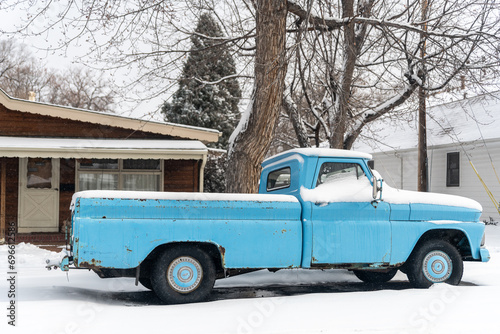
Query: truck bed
pixel 251 231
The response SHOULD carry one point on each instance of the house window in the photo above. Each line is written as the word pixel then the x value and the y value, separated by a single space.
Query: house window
pixel 120 174
pixel 453 169
pixel 39 173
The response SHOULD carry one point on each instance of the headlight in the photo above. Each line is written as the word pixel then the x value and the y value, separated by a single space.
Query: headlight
pixel 483 241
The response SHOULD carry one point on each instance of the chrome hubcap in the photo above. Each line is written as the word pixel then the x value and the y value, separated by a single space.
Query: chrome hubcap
pixel 184 274
pixel 437 266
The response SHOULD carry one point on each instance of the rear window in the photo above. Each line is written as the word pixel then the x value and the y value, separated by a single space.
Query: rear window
pixel 278 179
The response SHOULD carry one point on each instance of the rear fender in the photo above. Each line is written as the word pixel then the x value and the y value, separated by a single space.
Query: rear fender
pixel 216 252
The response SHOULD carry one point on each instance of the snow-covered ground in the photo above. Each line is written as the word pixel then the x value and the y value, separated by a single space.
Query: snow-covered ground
pixel 289 301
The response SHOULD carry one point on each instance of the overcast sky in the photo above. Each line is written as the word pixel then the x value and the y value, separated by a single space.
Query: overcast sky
pixel 10 19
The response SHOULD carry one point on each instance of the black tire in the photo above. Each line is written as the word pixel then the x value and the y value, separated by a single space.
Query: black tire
pixel 183 274
pixel 146 282
pixel 435 261
pixel 375 277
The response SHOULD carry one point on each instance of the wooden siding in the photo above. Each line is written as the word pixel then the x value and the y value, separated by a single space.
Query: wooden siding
pixel 66 190
pixel 21 124
pixel 11 189
pixel 181 175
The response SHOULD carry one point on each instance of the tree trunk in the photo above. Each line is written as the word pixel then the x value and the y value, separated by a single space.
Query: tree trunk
pixel 350 55
pixel 250 145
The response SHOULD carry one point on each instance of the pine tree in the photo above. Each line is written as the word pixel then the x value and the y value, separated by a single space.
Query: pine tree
pixel 198 102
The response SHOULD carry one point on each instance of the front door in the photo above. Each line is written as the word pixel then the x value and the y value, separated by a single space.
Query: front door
pixel 349 229
pixel 38 195
pixel 354 232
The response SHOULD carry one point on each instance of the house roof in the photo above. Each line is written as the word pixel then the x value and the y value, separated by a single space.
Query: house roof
pixel 101 148
pixel 465 121
pixel 82 115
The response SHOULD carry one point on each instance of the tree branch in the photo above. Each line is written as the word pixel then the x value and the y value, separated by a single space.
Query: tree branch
pixel 370 115
pixel 322 23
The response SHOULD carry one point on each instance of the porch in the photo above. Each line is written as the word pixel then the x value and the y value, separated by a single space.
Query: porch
pixel 38 177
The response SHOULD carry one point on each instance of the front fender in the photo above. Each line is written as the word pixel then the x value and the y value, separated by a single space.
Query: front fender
pixel 407 234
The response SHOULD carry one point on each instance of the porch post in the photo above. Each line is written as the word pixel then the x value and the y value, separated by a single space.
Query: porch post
pixel 3 195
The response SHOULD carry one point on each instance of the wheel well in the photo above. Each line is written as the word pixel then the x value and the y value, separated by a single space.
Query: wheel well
pixel 456 238
pixel 211 249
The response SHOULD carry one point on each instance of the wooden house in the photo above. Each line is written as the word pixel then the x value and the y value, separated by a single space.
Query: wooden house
pixel 48 152
pixel 460 135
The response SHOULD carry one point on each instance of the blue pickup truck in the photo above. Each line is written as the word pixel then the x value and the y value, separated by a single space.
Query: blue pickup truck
pixel 316 209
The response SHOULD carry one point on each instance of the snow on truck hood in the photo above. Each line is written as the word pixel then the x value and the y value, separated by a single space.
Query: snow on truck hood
pixel 397 196
pixel 179 196
pixel 361 191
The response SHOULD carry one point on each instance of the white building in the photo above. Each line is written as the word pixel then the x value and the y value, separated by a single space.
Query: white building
pixel 458 133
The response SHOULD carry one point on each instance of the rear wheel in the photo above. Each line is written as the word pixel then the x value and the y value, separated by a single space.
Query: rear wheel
pixel 375 277
pixel 436 261
pixel 183 274
pixel 146 282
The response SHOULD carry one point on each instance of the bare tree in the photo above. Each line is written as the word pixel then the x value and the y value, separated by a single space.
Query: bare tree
pixel 21 73
pixel 352 62
pixel 365 58
pixel 82 88
pixel 144 41
pixel 357 61
pixel 12 55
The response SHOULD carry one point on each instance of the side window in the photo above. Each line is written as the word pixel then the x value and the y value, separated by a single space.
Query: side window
pixel 278 179
pixel 336 171
pixel 453 169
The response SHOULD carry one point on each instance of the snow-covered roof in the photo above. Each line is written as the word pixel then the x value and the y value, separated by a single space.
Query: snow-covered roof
pixel 82 115
pixel 463 121
pixel 101 148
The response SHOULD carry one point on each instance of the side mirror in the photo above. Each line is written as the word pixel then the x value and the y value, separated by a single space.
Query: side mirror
pixel 377 182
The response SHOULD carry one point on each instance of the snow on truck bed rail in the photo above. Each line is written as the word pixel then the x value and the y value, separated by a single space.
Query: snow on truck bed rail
pixel 180 196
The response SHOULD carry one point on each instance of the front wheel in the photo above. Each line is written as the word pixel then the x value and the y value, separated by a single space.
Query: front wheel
pixel 436 261
pixel 183 274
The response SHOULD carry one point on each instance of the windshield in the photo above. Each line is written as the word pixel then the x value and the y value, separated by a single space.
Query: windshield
pixel 336 171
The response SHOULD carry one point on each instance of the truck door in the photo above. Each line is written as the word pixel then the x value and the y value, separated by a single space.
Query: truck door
pixel 347 227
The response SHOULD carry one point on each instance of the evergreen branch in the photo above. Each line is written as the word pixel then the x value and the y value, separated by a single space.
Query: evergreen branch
pixel 234 76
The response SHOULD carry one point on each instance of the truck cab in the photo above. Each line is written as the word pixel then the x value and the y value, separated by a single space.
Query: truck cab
pixel 352 220
pixel 355 219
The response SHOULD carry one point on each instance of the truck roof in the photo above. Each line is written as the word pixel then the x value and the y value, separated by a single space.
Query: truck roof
pixel 319 152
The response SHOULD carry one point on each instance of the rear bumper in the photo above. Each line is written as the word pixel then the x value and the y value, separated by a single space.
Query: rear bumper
pixel 62 263
pixel 485 254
